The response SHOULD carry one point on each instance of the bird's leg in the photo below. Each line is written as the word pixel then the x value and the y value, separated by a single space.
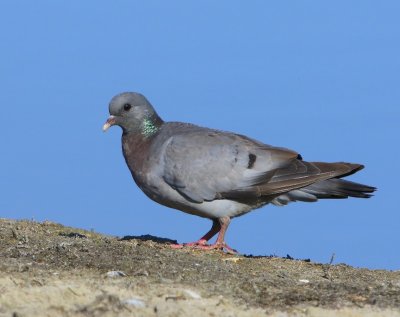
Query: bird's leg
pixel 220 244
pixel 216 227
pixel 220 225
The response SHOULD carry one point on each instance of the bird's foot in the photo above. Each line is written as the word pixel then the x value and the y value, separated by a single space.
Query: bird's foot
pixel 198 243
pixel 222 246
pixel 202 245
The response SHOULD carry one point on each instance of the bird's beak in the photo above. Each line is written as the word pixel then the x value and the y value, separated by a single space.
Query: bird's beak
pixel 110 121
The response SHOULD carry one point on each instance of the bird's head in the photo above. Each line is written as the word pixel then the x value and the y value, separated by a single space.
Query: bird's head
pixel 133 113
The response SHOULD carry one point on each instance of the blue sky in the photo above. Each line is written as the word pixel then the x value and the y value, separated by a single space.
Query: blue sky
pixel 320 78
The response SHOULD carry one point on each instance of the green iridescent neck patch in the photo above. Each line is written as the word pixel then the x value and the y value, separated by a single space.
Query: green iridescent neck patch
pixel 148 127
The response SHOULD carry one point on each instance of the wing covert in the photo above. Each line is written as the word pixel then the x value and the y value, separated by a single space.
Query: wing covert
pixel 202 164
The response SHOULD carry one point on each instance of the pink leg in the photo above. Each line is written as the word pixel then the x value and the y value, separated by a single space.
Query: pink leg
pixel 220 225
pixel 220 244
pixel 216 227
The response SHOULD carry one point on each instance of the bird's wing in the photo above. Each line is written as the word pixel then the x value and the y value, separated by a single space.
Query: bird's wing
pixel 204 165
pixel 297 174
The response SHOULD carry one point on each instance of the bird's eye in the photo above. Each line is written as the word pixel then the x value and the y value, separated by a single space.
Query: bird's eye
pixel 127 107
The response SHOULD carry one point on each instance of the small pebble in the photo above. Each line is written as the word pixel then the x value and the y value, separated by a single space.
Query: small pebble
pixel 113 274
pixel 136 302
pixel 304 281
pixel 191 294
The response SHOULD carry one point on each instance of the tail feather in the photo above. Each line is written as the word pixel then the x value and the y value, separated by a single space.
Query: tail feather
pixel 333 188
pixel 338 188
pixel 303 181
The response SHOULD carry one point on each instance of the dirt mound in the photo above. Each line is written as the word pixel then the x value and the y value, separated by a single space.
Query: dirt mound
pixel 47 269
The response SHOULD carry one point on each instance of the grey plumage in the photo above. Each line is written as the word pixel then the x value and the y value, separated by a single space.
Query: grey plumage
pixel 215 174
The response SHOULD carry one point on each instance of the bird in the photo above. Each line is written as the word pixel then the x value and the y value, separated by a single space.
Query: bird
pixel 216 174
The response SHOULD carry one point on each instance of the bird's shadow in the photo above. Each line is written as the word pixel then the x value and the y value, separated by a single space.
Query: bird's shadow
pixel 287 257
pixel 148 237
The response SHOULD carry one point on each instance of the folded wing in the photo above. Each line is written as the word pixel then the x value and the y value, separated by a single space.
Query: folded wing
pixel 205 165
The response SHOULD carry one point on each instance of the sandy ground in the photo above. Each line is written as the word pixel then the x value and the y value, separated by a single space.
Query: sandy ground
pixel 50 270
